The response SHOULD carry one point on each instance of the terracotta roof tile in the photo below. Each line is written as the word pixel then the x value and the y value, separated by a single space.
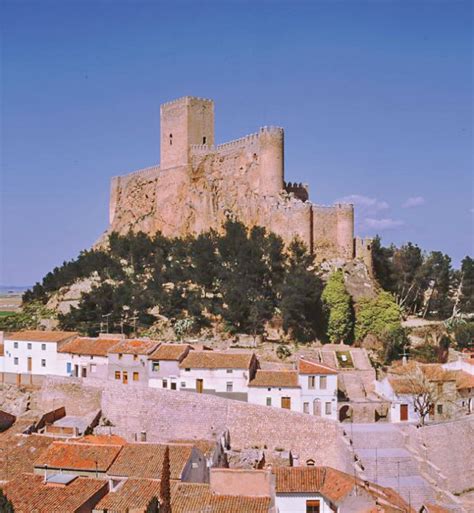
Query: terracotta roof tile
pixel 89 346
pixel 207 447
pixel 217 360
pixel 131 495
pixel 144 347
pixel 41 336
pixel 146 460
pixel 78 456
pixel 269 378
pixel 433 508
pixel 308 367
pixel 464 380
pixel 102 440
pixel 170 352
pixel 28 492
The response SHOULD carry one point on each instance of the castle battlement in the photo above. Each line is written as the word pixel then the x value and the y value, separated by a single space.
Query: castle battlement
pixel 146 172
pixel 183 99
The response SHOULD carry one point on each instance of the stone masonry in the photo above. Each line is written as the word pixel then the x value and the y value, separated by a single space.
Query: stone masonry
pixel 200 185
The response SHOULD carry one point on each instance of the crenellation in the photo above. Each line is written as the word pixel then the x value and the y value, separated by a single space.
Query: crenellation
pixel 199 185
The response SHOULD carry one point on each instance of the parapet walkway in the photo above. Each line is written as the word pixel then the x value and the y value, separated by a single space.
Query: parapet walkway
pixel 384 459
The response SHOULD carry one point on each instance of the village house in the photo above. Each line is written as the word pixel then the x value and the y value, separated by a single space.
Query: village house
pixel 279 388
pixel 327 490
pixel 30 355
pixel 163 365
pixel 128 361
pixel 223 373
pixel 87 357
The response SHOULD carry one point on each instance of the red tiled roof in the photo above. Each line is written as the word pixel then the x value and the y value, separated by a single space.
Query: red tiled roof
pixel 144 347
pixel 464 380
pixel 132 495
pixel 276 378
pixel 41 336
pixel 433 508
pixel 170 352
pixel 102 440
pixel 308 367
pixel 28 492
pixel 78 456
pixel 146 460
pixel 217 360
pixel 89 346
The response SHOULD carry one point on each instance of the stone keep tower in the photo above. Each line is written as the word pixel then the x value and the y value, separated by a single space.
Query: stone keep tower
pixel 185 122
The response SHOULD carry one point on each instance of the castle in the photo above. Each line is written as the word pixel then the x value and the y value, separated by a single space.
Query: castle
pixel 199 185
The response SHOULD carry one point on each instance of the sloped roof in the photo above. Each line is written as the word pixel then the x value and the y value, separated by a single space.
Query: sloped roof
pixel 89 346
pixel 146 460
pixel 28 492
pixel 134 346
pixel 78 456
pixel 133 494
pixel 41 336
pixel 217 360
pixel 464 380
pixel 102 440
pixel 275 378
pixel 170 352
pixel 309 367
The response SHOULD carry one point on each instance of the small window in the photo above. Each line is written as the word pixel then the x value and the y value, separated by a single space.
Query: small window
pixel 43 363
pixel 171 139
pixel 120 356
pixel 183 384
pixel 15 345
pixel 43 347
pixel 229 386
pixel 155 366
pixel 173 385
pixel 15 360
pixel 305 407
pixel 229 371
pixel 269 389
pixel 323 382
pixel 117 374
pixel 187 370
pixel 311 381
pixel 310 463
pixel 269 401
pixel 28 345
pixel 204 140
pixel 135 357
pixel 165 383
pixel 328 408
pixel 439 409
pixel 92 357
pixel 312 506
pixel 136 376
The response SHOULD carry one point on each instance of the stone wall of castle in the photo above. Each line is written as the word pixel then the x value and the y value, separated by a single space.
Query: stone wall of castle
pixel 199 186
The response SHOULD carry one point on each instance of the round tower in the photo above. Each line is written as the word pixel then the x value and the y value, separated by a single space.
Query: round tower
pixel 345 230
pixel 271 160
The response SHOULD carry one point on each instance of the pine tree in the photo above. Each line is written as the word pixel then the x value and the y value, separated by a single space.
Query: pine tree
pixel 5 505
pixel 165 487
pixel 153 506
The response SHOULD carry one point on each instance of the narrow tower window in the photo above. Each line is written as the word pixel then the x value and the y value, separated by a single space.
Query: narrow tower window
pixel 171 139
pixel 203 140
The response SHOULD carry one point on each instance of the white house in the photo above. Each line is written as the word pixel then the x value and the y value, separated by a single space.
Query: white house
pixel 128 361
pixel 327 490
pixel 87 357
pixel 222 373
pixel 318 389
pixel 400 394
pixel 34 353
pixel 279 388
pixel 163 365
pixel 465 363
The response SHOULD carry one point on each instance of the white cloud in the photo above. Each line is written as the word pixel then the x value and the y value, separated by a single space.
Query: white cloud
pixel 370 204
pixel 382 224
pixel 416 201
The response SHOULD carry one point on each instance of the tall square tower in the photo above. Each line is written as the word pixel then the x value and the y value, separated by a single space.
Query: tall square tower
pixel 184 122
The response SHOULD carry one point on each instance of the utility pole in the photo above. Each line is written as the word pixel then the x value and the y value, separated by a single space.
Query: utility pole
pixel 107 319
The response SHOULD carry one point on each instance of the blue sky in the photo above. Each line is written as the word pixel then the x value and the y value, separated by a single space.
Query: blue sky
pixel 375 98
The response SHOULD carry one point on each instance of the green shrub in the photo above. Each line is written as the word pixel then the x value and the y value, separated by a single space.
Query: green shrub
pixel 377 316
pixel 337 308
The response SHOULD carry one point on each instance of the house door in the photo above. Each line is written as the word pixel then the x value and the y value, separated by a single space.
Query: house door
pixel 84 372
pixel 30 363
pixel 286 403
pixel 317 407
pixel 76 371
pixel 124 377
pixel 199 386
pixel 404 412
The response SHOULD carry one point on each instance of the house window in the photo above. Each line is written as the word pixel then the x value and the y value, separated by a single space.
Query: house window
pixel 310 463
pixel 439 409
pixel 173 385
pixel 135 356
pixel 323 382
pixel 155 366
pixel 229 386
pixel 165 383
pixel 311 381
pixel 120 356
pixel 43 363
pixel 135 376
pixel 117 374
pixel 15 360
pixel 328 409
pixel 203 140
pixel 305 407
pixel 187 370
pixel 93 367
pixel 43 347
pixel 28 345
pixel 229 371
pixel 269 401
pixel 183 384
pixel 171 139
pixel 440 388
pixel 312 506
pixel 15 345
